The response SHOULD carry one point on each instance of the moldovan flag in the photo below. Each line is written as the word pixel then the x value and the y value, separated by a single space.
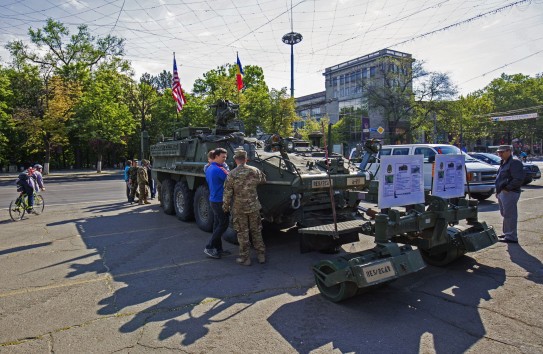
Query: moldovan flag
pixel 177 91
pixel 239 75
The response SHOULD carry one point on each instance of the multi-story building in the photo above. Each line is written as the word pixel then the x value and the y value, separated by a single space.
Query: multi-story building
pixel 345 95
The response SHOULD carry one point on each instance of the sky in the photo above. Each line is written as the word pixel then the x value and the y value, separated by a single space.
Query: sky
pixel 473 41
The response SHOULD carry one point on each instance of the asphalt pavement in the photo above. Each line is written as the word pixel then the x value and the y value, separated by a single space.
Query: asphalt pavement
pixel 95 274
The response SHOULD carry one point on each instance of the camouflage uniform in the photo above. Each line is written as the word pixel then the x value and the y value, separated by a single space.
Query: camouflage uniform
pixel 143 181
pixel 133 173
pixel 240 193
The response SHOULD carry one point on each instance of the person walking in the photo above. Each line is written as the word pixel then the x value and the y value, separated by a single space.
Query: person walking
pixel 241 197
pixel 127 178
pixel 215 177
pixel 133 181
pixel 508 183
pixel 143 182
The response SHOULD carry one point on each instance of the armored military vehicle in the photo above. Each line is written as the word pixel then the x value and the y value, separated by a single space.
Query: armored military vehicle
pixel 305 185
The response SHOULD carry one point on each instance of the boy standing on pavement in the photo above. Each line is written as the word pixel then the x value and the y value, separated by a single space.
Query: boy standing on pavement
pixel 508 183
pixel 215 177
pixel 240 194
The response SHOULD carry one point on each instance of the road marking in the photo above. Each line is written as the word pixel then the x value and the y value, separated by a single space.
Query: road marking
pixel 524 200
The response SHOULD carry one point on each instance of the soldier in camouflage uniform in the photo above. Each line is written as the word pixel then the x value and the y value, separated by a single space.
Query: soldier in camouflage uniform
pixel 133 181
pixel 241 197
pixel 143 181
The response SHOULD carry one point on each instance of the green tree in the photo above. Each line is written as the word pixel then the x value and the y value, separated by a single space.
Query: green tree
pixel 104 119
pixel 7 124
pixel 407 95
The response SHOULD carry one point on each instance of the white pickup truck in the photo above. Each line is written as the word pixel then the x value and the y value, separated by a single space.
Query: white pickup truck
pixel 480 176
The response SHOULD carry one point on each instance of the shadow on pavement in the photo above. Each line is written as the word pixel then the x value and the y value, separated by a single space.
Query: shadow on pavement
pixel 24 248
pixel 523 259
pixel 161 273
pixel 437 307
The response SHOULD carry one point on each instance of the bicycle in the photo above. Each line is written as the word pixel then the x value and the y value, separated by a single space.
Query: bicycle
pixel 19 206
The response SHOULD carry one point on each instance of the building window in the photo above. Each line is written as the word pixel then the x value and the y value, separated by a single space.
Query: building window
pixel 372 71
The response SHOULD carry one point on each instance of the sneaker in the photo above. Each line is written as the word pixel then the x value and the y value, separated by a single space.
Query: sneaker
pixel 211 252
pixel 243 261
pixel 261 258
pixel 225 253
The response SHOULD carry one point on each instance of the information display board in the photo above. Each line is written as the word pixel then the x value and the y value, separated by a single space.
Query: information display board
pixel 401 181
pixel 449 176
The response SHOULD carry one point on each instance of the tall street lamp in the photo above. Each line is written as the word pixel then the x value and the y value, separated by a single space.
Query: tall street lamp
pixel 291 39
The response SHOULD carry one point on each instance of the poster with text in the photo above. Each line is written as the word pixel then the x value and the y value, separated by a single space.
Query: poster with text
pixel 449 176
pixel 401 181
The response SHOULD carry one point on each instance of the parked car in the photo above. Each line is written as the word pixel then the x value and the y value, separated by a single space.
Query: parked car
pixel 531 171
pixel 481 176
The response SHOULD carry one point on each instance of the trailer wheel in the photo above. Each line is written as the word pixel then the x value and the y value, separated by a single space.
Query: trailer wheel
pixel 183 199
pixel 167 196
pixel 334 293
pixel 202 210
pixel 443 258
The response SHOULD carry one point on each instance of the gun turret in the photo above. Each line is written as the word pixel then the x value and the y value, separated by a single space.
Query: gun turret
pixel 225 112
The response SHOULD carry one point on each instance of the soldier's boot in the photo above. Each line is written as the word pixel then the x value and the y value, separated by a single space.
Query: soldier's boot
pixel 145 201
pixel 243 261
pixel 261 258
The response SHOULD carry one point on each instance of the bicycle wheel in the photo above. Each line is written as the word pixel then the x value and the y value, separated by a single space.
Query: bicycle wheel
pixel 16 211
pixel 39 204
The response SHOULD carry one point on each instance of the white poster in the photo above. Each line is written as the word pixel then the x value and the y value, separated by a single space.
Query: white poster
pixel 449 176
pixel 401 181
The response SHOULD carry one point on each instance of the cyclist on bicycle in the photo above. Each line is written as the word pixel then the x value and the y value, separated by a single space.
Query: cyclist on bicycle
pixel 38 177
pixel 25 185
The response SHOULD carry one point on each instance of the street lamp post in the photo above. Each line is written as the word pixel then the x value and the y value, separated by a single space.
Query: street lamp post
pixel 291 39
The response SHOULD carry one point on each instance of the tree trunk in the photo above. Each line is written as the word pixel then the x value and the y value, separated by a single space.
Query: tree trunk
pixel 99 164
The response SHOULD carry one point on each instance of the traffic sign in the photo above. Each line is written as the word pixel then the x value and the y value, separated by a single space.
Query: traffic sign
pixel 380 130
pixel 373 130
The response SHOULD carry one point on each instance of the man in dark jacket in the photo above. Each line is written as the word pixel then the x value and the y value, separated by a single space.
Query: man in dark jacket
pixel 508 182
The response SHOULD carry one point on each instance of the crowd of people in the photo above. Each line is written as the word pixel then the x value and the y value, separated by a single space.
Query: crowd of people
pixel 139 182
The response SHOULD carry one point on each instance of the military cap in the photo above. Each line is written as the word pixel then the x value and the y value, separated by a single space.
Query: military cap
pixel 240 154
pixel 505 148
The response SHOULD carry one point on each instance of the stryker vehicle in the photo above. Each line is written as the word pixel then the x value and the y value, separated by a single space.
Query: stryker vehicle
pixel 433 227
pixel 301 179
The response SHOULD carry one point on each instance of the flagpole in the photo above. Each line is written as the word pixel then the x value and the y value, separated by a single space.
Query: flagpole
pixel 237 56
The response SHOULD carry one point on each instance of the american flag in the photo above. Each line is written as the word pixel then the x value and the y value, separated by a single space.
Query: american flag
pixel 177 91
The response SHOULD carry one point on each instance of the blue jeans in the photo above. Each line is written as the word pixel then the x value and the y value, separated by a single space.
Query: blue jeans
pixel 220 224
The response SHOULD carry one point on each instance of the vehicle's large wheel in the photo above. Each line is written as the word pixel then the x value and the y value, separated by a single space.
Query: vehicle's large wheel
pixel 167 196
pixel 443 258
pixel 230 235
pixel 183 200
pixel 202 210
pixel 480 196
pixel 338 292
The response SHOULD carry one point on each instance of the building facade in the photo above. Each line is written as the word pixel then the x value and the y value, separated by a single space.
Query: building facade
pixel 345 94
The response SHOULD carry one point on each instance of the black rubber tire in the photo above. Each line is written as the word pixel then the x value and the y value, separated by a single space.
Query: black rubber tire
pixel 39 204
pixel 338 292
pixel 480 196
pixel 16 213
pixel 230 235
pixel 167 196
pixel 183 199
pixel 202 209
pixel 446 257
